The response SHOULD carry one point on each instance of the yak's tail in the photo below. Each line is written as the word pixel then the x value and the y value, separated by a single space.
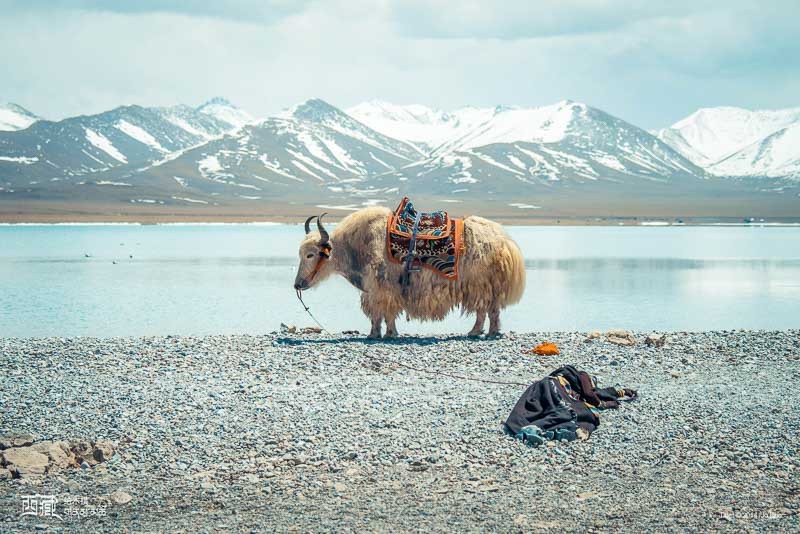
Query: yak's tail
pixel 511 271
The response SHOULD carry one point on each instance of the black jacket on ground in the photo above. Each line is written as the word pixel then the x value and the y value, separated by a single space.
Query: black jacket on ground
pixel 566 399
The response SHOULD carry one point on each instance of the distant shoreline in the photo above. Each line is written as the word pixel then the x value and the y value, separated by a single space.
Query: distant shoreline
pixel 156 220
pixel 564 214
pixel 268 223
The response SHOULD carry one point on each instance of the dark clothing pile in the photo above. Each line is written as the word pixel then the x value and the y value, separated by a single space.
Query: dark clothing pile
pixel 564 405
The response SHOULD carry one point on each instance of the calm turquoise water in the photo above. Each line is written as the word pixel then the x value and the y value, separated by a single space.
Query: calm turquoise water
pixel 209 279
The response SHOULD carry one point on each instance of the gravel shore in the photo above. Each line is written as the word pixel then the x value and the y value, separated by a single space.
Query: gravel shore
pixel 317 433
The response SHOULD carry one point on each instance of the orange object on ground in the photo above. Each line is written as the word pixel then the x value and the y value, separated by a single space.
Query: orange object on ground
pixel 546 349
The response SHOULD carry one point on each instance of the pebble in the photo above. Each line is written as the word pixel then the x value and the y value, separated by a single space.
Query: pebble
pixel 120 497
pixel 655 340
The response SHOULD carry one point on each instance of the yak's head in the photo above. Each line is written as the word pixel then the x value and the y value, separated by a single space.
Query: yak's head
pixel 315 253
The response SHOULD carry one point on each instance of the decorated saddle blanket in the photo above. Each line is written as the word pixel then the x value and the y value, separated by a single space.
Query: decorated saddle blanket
pixel 439 239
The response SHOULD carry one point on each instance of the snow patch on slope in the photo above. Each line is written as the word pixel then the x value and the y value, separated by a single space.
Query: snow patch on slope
pixel 417 123
pixel 776 155
pixel 221 109
pixel 209 165
pixel 343 157
pixel 313 146
pixel 607 160
pixel 101 142
pixel 185 126
pixel 494 163
pixel 140 135
pixel 20 159
pixel 547 124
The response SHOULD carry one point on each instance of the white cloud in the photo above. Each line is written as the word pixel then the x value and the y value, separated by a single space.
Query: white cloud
pixel 645 62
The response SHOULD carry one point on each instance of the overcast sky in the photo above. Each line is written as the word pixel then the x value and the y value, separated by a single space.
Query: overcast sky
pixel 649 62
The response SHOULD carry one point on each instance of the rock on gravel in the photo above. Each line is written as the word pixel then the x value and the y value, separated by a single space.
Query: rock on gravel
pixel 120 497
pixel 39 458
pixel 24 461
pixel 621 337
pixel 16 440
pixel 655 340
pixel 591 336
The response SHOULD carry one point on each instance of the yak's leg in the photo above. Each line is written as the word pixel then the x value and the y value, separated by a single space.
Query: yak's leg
pixel 378 309
pixel 375 332
pixel 372 311
pixel 390 309
pixel 391 329
pixel 477 329
pixel 494 321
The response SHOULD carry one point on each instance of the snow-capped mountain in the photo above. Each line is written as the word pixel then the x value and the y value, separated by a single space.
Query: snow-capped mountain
pixel 730 141
pixel 775 156
pixel 426 127
pixel 545 124
pixel 562 145
pixel 14 117
pixel 311 149
pixel 221 109
pixel 316 111
pixel 566 157
pixel 126 136
pixel 314 150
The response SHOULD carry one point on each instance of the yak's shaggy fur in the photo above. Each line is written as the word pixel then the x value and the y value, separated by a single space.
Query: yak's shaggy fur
pixel 491 273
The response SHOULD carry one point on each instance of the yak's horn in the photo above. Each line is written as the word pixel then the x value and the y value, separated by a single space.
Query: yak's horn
pixel 308 224
pixel 322 232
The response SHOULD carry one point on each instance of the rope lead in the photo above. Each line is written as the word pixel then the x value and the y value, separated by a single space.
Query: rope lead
pixel 308 311
pixel 417 369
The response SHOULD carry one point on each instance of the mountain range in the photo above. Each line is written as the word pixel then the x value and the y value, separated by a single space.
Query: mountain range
pixel 14 117
pixel 729 141
pixel 566 159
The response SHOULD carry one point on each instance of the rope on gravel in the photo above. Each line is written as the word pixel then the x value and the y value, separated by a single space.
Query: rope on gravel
pixel 411 367
pixel 459 377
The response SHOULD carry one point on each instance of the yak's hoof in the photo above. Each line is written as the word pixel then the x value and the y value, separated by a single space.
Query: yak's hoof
pixel 494 334
pixel 475 333
pixel 374 336
pixel 390 335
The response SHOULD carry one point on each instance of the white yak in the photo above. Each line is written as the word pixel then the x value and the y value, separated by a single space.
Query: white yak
pixel 491 272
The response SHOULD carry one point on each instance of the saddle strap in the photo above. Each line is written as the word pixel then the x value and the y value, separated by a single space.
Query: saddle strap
pixel 412 246
pixel 402 218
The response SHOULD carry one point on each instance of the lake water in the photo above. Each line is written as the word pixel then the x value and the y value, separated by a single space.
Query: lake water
pixel 220 279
